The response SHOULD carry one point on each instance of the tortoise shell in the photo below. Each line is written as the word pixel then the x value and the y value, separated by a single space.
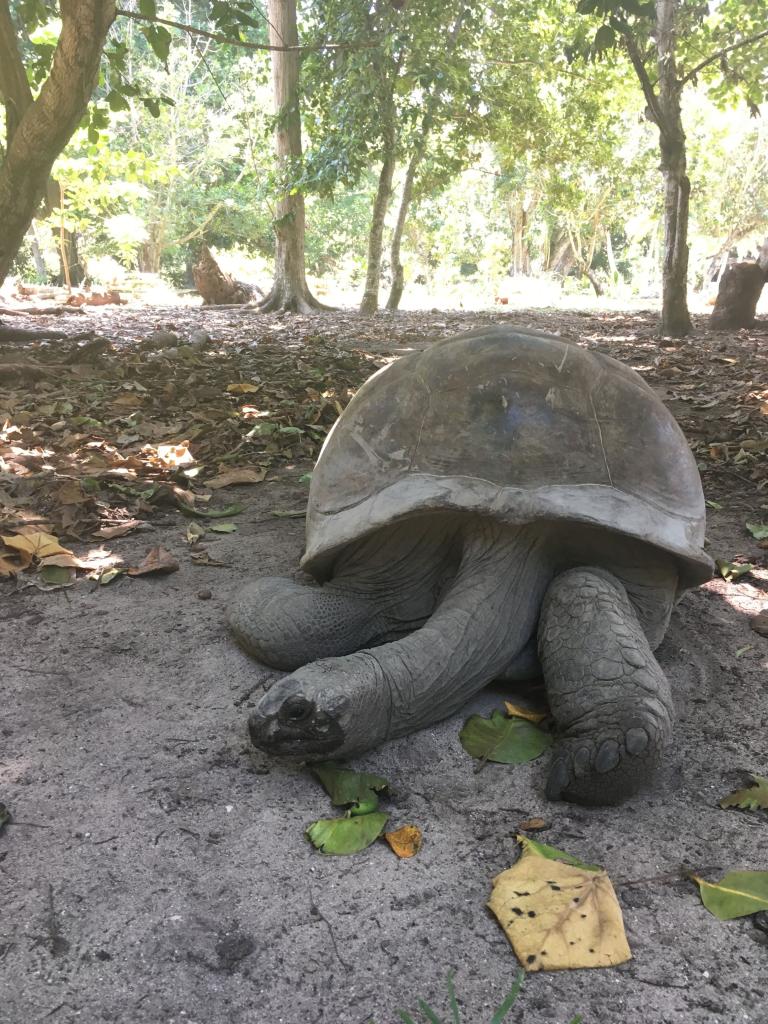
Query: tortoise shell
pixel 513 424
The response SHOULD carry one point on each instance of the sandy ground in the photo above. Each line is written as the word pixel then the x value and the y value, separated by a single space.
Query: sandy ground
pixel 156 871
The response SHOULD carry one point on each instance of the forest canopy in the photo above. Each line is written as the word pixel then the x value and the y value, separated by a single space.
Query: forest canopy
pixel 446 153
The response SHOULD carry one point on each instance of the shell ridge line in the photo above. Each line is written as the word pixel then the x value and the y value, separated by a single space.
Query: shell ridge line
pixel 427 410
pixel 599 428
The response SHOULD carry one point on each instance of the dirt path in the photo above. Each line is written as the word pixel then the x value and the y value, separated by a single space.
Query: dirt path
pixel 156 869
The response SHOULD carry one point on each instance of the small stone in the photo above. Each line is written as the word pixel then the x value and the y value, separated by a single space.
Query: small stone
pixel 759 622
pixel 204 595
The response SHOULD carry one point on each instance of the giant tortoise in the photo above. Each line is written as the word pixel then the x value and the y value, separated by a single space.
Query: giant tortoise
pixel 501 505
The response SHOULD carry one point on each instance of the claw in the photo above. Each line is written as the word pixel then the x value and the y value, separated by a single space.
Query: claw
pixel 559 778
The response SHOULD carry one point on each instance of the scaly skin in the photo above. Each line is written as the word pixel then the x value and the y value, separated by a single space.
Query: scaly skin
pixel 342 706
pixel 383 587
pixel 610 699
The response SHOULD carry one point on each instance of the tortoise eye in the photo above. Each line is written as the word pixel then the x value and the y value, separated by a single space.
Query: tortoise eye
pixel 295 710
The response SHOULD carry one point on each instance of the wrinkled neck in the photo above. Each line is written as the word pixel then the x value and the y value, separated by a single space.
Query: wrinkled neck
pixel 483 621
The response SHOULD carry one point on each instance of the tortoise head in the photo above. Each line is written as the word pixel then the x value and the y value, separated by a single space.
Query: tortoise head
pixel 323 709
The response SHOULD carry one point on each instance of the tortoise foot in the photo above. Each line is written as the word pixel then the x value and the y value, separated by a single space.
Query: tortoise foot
pixel 608 767
pixel 608 695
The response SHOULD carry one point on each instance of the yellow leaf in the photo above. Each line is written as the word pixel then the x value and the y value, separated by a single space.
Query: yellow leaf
pixel 405 841
pixel 11 564
pixel 559 916
pixel 237 475
pixel 516 711
pixel 243 389
pixel 36 543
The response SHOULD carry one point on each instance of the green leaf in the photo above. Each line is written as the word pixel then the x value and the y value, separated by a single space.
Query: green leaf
pixel 350 789
pixel 552 853
pixel 147 8
pixel 223 527
pixel 341 836
pixel 159 39
pixel 5 816
pixel 108 575
pixel 57 576
pixel 758 530
pixel 755 798
pixel 738 894
pixel 503 740
pixel 211 513
pixel 117 100
pixel 605 39
pixel 733 570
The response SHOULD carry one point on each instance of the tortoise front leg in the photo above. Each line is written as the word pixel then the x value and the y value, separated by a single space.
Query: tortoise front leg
pixel 610 699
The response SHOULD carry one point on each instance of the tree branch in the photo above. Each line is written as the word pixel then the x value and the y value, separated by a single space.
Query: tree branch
pixel 721 53
pixel 645 81
pixel 244 44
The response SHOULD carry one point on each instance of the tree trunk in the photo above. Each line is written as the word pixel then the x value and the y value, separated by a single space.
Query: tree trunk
pixel 215 287
pixel 71 270
pixel 398 275
pixel 370 302
pixel 738 295
pixel 675 319
pixel 289 290
pixel 47 125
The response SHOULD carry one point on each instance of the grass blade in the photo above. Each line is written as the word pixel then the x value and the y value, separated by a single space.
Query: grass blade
pixel 429 1013
pixel 452 999
pixel 509 1002
pixel 406 1018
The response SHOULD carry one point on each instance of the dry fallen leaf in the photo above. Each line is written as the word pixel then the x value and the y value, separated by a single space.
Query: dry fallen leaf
pixel 405 841
pixel 559 916
pixel 110 532
pixel 532 825
pixel 156 560
pixel 237 475
pixel 174 455
pixel 14 562
pixel 35 543
pixel 243 389
pixel 516 711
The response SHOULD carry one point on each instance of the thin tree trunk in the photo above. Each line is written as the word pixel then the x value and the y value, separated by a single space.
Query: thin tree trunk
pixel 40 268
pixel 289 290
pixel 611 257
pixel 398 274
pixel 675 319
pixel 370 302
pixel 47 125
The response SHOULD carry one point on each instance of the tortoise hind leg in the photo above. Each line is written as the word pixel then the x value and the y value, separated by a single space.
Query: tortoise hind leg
pixel 287 624
pixel 383 587
pixel 610 699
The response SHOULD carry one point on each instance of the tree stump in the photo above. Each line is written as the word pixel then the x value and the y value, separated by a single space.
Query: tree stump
pixel 738 295
pixel 216 287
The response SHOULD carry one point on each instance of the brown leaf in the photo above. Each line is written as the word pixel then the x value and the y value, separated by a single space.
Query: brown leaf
pixel 110 532
pixel 237 475
pixel 157 559
pixel 529 714
pixel 533 825
pixel 406 841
